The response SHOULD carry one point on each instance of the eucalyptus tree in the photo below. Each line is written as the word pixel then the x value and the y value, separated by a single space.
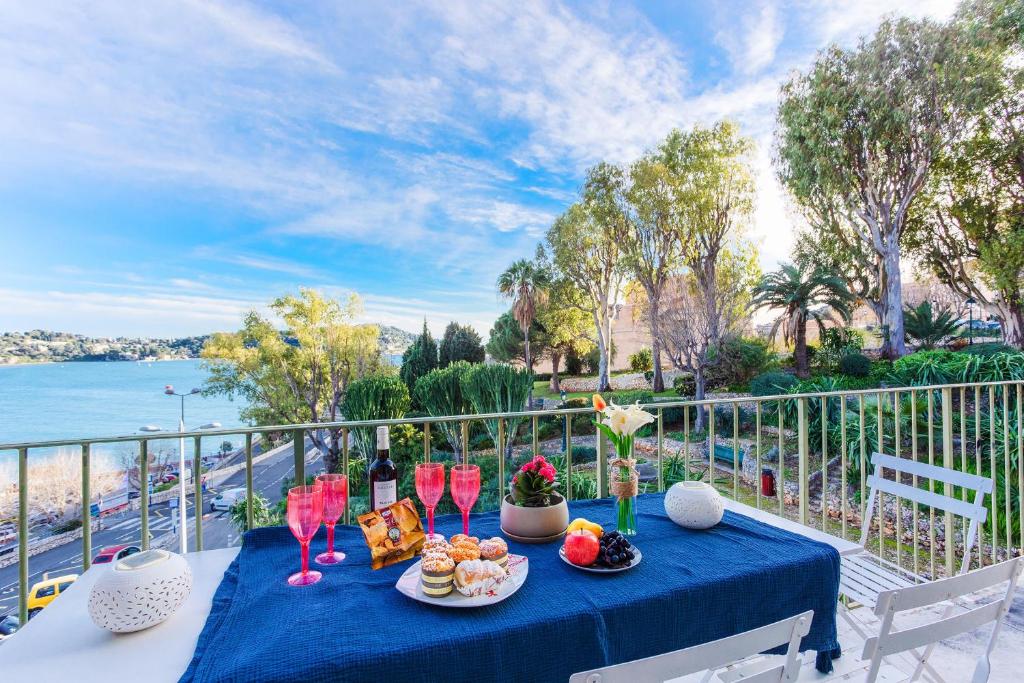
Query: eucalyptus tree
pixel 714 195
pixel 803 293
pixel 567 326
pixel 859 132
pixel 586 247
pixel 653 245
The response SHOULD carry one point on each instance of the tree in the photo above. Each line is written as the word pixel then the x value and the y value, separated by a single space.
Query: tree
pixel 585 243
pixel 653 245
pixel 440 393
pixel 968 230
pixel 299 374
pixel 566 326
pixel 498 388
pixel 377 397
pixel 460 342
pixel 506 344
pixel 929 327
pixel 804 293
pixel 715 197
pixel 419 359
pixel 525 283
pixel 857 135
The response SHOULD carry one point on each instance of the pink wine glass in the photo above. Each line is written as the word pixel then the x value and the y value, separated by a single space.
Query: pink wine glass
pixel 430 488
pixel 305 511
pixel 335 494
pixel 465 490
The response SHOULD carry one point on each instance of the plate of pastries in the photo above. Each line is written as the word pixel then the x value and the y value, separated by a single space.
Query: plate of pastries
pixel 464 571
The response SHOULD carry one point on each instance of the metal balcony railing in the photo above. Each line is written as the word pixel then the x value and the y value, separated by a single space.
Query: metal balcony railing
pixel 970 427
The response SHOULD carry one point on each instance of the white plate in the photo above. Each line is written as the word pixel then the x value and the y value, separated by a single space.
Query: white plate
pixel 637 556
pixel 518 567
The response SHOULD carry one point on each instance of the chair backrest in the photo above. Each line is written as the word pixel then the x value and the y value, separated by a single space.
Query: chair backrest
pixel 714 655
pixel 975 510
pixel 889 642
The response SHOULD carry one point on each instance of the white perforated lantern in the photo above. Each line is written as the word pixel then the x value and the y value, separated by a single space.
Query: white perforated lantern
pixel 140 591
pixel 694 505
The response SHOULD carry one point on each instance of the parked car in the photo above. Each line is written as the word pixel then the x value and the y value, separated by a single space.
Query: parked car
pixel 113 553
pixel 45 591
pixel 226 500
pixel 8 625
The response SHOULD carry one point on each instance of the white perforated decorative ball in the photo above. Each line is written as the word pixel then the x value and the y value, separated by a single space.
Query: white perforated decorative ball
pixel 694 505
pixel 140 591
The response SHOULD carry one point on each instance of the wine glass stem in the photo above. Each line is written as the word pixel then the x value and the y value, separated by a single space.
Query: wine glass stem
pixel 430 520
pixel 330 538
pixel 465 521
pixel 305 558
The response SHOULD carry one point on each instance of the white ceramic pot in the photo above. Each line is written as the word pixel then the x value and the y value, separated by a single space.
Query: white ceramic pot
pixel 694 505
pixel 140 591
pixel 544 523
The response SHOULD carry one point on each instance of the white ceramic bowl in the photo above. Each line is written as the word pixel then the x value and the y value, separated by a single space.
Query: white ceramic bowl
pixel 694 505
pixel 140 591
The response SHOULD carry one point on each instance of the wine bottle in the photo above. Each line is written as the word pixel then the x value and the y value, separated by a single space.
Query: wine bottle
pixel 383 474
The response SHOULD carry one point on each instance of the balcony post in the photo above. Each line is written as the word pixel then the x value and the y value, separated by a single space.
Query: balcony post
pixel 801 419
pixel 568 456
pixel 602 464
pixel 23 536
pixel 344 466
pixel 947 462
pixel 144 492
pixel 299 453
pixel 197 491
pixel 248 482
pixel 86 512
pixel 500 453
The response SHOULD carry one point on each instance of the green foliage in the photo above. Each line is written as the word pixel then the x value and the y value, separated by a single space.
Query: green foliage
pixel 67 525
pixel 725 422
pixel 834 343
pixel 772 383
pixel 641 361
pixel 460 343
pixel 987 349
pixel 855 365
pixel 497 388
pixel 929 328
pixel 419 359
pixel 378 397
pixel 506 341
pixel 583 484
pixel 262 513
pixel 573 364
pixel 684 385
pixel 942 367
pixel 440 393
pixel 736 360
pixel 924 368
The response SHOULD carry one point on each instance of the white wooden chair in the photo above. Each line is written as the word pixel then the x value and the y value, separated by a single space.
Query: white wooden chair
pixel 889 642
pixel 710 657
pixel 865 576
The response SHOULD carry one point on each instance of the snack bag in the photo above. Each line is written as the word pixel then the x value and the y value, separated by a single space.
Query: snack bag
pixel 393 534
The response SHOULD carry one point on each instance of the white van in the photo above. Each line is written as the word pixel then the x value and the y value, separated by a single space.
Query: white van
pixel 226 499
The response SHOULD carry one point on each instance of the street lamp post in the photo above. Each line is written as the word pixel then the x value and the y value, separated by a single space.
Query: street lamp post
pixel 182 509
pixel 970 319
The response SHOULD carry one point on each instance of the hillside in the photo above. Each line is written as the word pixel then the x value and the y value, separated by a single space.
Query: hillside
pixel 42 346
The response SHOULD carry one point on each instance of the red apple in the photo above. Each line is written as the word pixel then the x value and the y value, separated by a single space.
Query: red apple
pixel 581 547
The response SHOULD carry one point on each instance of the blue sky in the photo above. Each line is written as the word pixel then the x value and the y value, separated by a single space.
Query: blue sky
pixel 168 165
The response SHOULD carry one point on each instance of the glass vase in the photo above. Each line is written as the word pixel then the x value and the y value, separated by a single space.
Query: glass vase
pixel 625 488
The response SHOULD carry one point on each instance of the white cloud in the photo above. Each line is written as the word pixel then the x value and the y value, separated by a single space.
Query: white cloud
pixel 751 39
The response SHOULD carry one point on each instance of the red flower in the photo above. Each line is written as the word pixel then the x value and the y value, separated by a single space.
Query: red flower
pixel 515 478
pixel 528 467
pixel 539 460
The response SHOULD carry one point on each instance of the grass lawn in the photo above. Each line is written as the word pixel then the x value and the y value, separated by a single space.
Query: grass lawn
pixel 541 389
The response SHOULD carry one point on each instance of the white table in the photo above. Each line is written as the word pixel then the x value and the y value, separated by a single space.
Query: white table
pixel 62 643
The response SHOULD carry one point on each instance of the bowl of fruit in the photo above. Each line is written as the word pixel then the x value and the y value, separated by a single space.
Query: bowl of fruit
pixel 587 547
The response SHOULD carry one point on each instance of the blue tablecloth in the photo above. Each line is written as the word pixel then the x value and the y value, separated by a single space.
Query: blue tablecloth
pixel 691 587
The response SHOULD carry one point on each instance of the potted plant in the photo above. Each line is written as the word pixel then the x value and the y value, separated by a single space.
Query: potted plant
pixel 533 510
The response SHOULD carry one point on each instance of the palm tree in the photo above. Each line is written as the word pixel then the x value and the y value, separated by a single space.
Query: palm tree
pixel 525 283
pixel 803 294
pixel 927 327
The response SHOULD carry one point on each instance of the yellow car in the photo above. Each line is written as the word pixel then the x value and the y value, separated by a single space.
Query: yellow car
pixel 43 593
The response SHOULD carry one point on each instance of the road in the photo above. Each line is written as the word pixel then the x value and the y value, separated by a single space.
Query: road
pixel 125 528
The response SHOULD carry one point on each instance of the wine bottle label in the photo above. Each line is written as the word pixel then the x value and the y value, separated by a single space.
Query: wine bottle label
pixel 385 493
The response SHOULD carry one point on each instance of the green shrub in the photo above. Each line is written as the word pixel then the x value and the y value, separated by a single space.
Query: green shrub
pixel 772 383
pixel 737 360
pixel 67 525
pixel 623 398
pixel 724 419
pixel 440 393
pixel 377 397
pixel 641 361
pixel 684 385
pixel 855 365
pixel 498 388
pixel 924 368
pixel 573 364
pixel 987 349
pixel 834 344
